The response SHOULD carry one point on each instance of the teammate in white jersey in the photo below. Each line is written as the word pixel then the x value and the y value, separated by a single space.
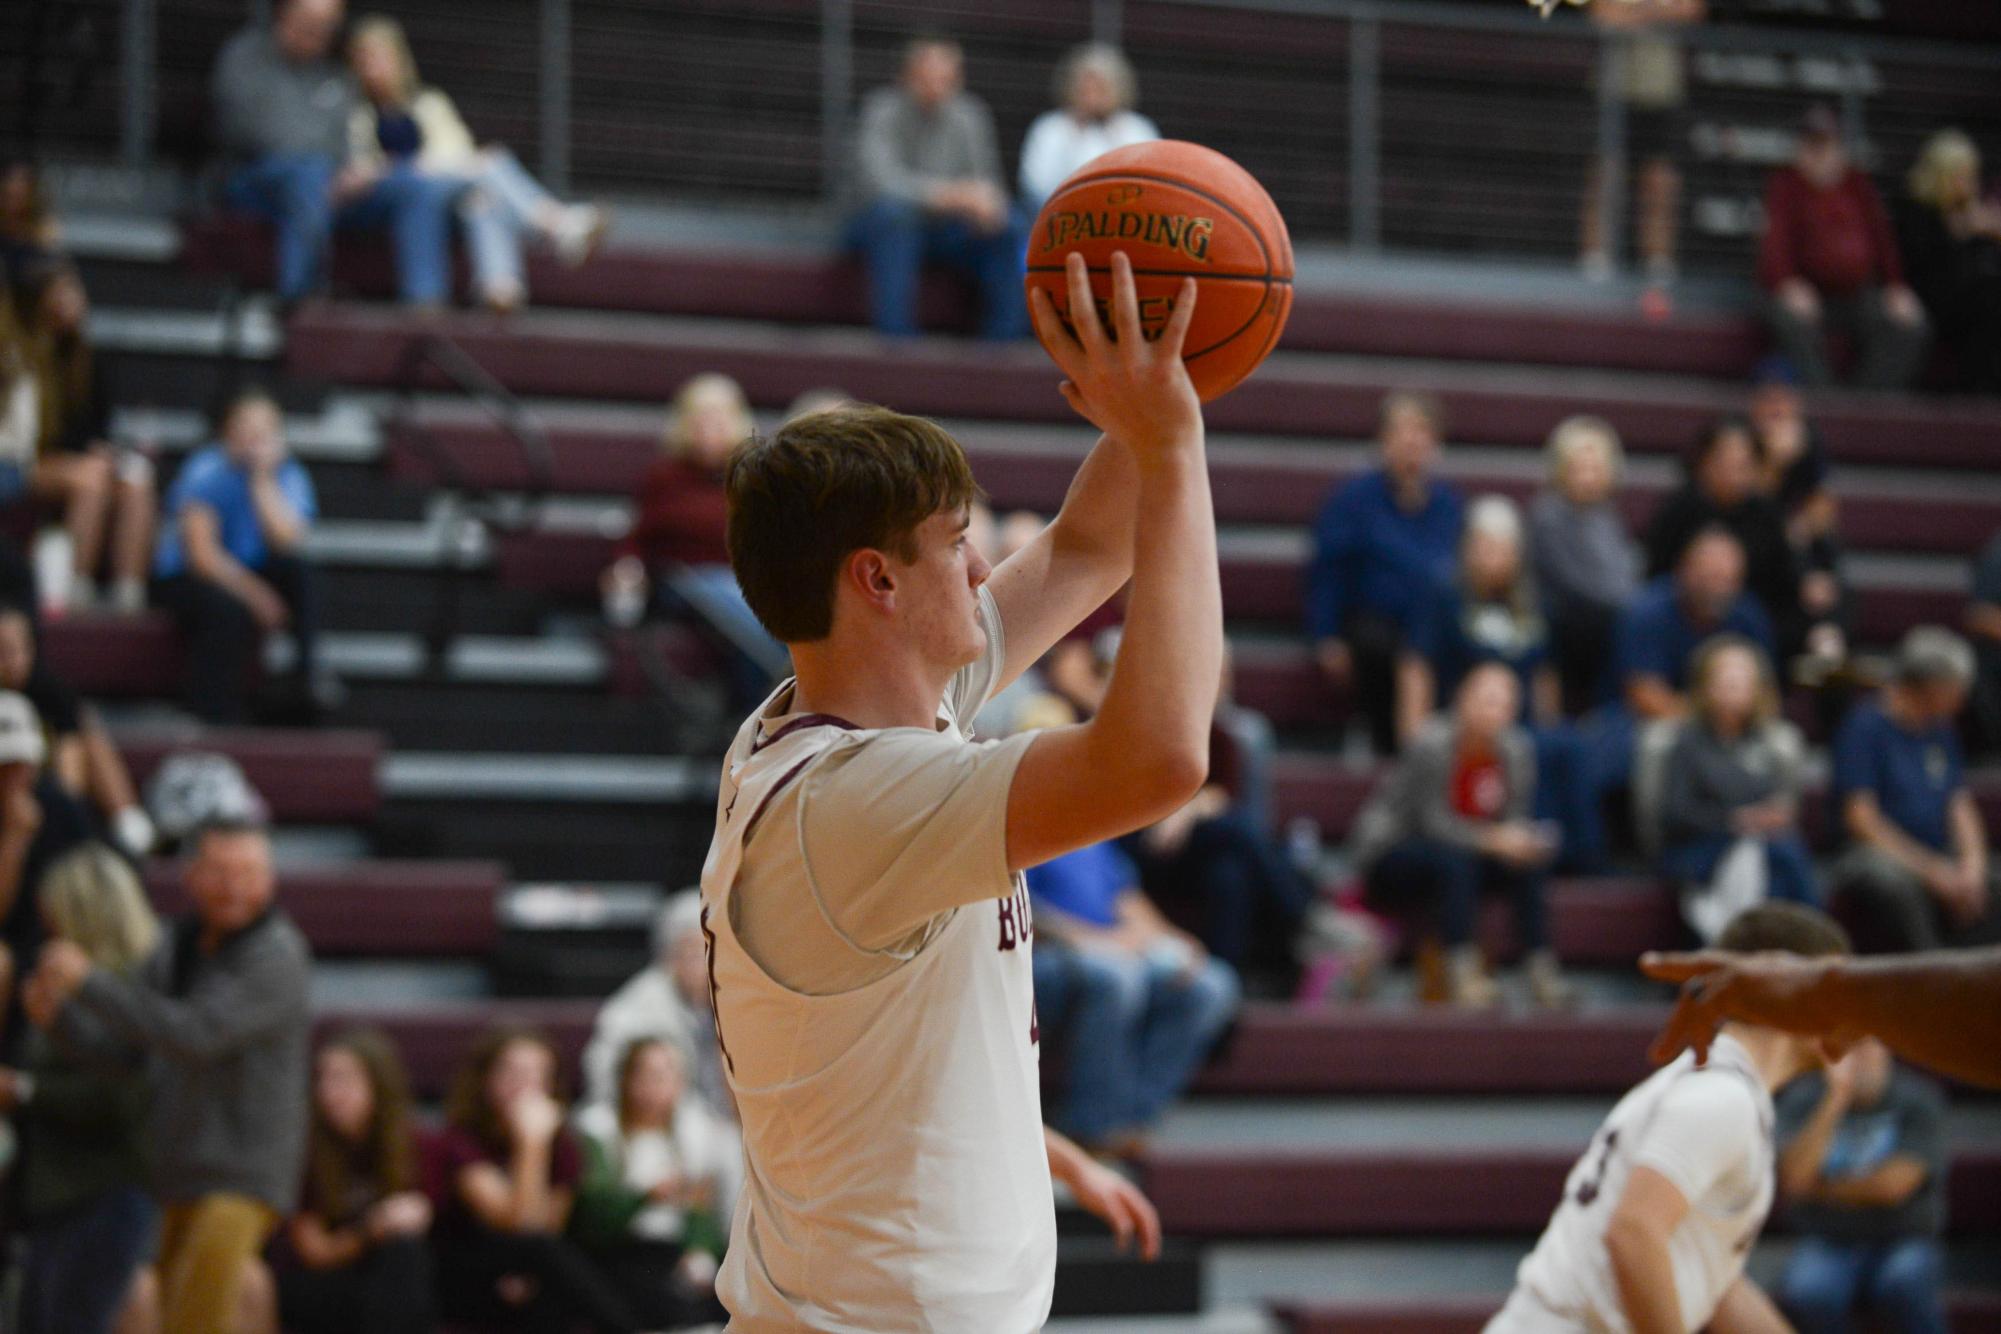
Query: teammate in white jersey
pixel 867 926
pixel 1660 1213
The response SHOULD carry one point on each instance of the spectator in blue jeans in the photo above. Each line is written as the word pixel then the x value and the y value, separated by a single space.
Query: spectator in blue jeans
pixel 1863 1166
pixel 231 563
pixel 282 108
pixel 931 189
pixel 1141 998
pixel 1450 821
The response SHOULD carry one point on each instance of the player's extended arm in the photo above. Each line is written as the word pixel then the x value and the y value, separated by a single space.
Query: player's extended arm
pixel 1071 567
pixel 1637 1241
pixel 1098 1188
pixel 1941 1010
pixel 1745 1309
pixel 1147 750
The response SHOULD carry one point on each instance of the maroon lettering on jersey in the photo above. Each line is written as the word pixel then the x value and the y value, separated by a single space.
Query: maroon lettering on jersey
pixel 1017 922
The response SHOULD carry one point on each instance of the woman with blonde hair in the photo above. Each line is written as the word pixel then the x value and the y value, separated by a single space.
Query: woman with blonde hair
pixel 1732 777
pixel 1586 564
pixel 89 1222
pixel 676 550
pixel 403 124
pixel 1950 238
pixel 1095 92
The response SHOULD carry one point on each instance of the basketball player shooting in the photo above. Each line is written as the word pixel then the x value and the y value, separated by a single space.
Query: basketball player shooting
pixel 867 924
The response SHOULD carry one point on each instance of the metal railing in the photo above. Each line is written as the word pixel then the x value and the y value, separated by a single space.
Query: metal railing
pixel 1366 117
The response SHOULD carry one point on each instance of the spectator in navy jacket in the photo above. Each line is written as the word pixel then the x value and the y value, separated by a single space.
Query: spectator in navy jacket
pixel 1383 544
pixel 1917 855
pixel 1829 261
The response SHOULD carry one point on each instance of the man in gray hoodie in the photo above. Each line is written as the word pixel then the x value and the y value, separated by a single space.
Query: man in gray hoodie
pixel 220 1014
pixel 281 120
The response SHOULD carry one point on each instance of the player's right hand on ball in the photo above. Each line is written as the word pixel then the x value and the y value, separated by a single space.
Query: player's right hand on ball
pixel 1133 390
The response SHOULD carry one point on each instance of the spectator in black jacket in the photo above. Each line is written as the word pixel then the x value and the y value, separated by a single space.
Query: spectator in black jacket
pixel 1797 473
pixel 1951 240
pixel 1723 485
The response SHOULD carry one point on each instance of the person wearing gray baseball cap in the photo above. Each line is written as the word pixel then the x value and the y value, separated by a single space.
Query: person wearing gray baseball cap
pixel 1917 849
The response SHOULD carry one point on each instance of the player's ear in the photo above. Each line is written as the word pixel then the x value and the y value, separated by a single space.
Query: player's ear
pixel 872 577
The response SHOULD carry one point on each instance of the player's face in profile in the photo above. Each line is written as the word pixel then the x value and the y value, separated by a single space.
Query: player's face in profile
pixel 941 610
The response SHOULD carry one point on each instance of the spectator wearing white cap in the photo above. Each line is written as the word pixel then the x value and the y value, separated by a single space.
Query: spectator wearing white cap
pixel 39 822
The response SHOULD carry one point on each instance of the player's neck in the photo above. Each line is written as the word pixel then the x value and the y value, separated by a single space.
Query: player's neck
pixel 871 689
pixel 1777 1057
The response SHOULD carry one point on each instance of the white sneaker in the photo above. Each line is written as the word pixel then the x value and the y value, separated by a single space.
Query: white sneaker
pixel 577 231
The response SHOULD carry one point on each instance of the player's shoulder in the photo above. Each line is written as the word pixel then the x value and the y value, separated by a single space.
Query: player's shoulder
pixel 1716 1093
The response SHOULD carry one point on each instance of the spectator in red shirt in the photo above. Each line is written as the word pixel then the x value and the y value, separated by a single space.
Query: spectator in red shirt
pixel 677 549
pixel 1829 262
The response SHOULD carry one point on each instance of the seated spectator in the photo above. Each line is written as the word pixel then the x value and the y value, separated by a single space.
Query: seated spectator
pixel 1917 856
pixel 231 563
pixel 1724 487
pixel 1862 1166
pixel 677 550
pixel 1586 564
pixel 1829 262
pixel 360 1240
pixel 29 233
pixel 1659 633
pixel 1141 999
pixel 1096 90
pixel 105 498
pixel 1796 475
pixel 404 125
pixel 1983 623
pixel 81 755
pixel 282 108
pixel 652 1208
pixel 1450 821
pixel 1951 241
pixel 85 1216
pixel 1487 613
pixel 39 822
pixel 220 1013
pixel 1382 544
pixel 20 408
pixel 930 189
pixel 509 1178
pixel 669 1000
pixel 1731 779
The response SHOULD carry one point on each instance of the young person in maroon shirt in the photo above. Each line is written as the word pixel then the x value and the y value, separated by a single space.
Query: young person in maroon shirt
pixel 675 555
pixel 1829 262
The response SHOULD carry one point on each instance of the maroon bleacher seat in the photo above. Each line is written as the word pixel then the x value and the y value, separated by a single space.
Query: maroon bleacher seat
pixel 433 1037
pixel 118 656
pixel 327 777
pixel 386 908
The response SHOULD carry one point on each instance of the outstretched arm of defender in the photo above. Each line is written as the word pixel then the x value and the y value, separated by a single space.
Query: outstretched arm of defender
pixel 1147 750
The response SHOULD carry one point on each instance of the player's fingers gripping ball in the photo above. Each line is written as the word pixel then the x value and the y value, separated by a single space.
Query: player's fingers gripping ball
pixel 1179 211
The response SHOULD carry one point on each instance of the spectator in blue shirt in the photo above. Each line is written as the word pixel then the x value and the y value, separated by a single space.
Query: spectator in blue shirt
pixel 1141 998
pixel 1917 855
pixel 1381 545
pixel 230 563
pixel 1660 632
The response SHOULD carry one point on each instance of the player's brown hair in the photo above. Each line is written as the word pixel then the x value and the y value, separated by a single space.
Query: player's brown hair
pixel 1790 928
pixel 824 486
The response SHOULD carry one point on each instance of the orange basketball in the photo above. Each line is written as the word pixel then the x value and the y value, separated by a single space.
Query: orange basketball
pixel 1178 210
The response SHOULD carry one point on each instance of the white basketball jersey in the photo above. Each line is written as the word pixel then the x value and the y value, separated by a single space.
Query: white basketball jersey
pixel 1707 1130
pixel 896 1176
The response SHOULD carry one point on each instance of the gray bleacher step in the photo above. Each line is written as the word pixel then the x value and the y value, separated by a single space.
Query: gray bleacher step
pixel 548 779
pixel 1233 1320
pixel 255 335
pixel 470 659
pixel 343 430
pixel 1416 1125
pixel 350 984
pixel 1241 1274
